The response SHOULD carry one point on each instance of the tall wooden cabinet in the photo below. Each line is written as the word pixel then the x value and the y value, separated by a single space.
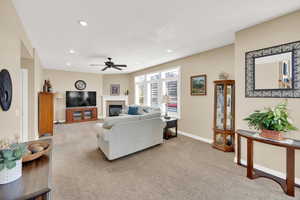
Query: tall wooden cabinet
pixel 46 113
pixel 224 115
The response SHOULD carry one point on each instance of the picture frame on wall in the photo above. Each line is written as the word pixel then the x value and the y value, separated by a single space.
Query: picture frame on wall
pixel 115 89
pixel 198 85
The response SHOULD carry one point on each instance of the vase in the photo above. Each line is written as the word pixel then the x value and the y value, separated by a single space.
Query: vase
pixel 10 175
pixel 271 134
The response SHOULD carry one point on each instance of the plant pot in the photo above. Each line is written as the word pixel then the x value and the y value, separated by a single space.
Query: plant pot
pixel 10 175
pixel 270 134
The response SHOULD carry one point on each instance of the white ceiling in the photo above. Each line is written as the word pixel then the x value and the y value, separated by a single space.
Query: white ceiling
pixel 137 32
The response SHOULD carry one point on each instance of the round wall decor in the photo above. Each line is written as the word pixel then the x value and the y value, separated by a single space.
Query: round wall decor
pixel 80 85
pixel 5 90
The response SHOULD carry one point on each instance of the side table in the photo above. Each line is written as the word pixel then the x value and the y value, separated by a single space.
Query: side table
pixel 170 123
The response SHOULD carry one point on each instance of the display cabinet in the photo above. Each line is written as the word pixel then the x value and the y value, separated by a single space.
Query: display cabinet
pixel 224 115
pixel 46 113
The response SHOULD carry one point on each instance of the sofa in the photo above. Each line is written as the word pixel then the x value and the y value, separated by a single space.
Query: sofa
pixel 126 134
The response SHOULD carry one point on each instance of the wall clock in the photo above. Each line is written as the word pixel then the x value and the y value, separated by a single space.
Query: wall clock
pixel 5 90
pixel 80 85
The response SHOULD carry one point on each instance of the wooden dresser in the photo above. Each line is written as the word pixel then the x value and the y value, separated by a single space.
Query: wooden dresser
pixel 46 113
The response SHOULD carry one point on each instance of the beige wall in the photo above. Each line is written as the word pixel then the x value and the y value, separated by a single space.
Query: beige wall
pixel 275 32
pixel 122 79
pixel 197 111
pixel 12 36
pixel 63 81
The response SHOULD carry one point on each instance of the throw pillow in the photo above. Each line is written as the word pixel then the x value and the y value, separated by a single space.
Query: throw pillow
pixel 125 110
pixel 146 109
pixel 141 110
pixel 133 110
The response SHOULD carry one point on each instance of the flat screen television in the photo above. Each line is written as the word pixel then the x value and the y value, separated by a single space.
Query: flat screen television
pixel 80 98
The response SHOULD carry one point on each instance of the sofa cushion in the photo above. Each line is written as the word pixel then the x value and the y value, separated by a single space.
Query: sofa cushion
pixel 111 121
pixel 150 115
pixel 133 110
pixel 148 109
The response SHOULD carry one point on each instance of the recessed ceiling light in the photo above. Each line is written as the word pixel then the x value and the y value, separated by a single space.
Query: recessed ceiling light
pixel 72 51
pixel 82 23
pixel 68 64
pixel 169 50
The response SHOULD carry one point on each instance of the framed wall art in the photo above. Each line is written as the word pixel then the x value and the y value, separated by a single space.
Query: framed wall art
pixel 198 85
pixel 115 89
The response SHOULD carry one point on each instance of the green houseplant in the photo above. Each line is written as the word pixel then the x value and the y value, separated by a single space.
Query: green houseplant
pixel 271 121
pixel 10 161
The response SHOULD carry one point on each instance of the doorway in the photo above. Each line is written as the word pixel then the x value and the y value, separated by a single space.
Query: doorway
pixel 24 105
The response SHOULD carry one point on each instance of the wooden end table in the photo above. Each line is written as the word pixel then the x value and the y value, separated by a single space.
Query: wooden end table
pixel 288 184
pixel 35 182
pixel 170 123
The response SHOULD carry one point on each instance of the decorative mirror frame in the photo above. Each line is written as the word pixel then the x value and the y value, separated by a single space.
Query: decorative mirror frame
pixel 294 92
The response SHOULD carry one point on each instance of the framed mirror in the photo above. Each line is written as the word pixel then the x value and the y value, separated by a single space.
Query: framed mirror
pixel 273 72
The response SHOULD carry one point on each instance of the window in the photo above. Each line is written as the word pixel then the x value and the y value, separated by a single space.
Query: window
pixel 140 90
pixel 171 91
pixel 150 90
pixel 140 94
pixel 153 89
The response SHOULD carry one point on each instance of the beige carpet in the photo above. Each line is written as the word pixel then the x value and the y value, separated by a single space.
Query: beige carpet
pixel 180 169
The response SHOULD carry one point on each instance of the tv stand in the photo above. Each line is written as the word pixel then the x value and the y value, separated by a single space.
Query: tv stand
pixel 81 114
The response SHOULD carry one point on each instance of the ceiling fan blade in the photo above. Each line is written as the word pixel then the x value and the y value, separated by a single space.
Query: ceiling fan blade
pixel 116 67
pixel 105 68
pixel 120 65
pixel 96 65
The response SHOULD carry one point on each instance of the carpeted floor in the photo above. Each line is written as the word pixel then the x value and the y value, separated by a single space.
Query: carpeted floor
pixel 180 169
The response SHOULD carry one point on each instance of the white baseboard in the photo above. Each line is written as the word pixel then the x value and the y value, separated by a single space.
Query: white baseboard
pixel 268 170
pixel 209 141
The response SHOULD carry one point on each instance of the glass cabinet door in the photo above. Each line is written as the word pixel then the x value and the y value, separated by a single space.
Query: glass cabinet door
pixel 219 140
pixel 229 140
pixel 229 107
pixel 220 107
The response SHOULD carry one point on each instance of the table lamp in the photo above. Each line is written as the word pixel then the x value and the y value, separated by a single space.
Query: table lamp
pixel 166 102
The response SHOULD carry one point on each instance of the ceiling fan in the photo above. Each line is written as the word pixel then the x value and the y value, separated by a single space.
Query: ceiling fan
pixel 109 64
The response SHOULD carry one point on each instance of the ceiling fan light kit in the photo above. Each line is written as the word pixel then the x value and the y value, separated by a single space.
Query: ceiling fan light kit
pixel 109 64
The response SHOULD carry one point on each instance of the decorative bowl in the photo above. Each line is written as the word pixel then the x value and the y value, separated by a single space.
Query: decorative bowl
pixel 36 155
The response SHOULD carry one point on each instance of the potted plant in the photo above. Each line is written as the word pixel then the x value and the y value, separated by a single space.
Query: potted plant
pixel 271 121
pixel 11 161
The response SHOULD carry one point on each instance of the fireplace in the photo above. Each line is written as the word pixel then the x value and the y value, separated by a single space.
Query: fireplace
pixel 113 103
pixel 114 110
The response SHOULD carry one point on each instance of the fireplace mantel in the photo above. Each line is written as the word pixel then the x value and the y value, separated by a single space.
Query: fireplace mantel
pixel 105 99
